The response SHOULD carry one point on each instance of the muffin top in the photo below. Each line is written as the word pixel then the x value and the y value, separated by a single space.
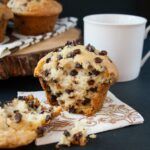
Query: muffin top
pixel 35 7
pixel 5 12
pixel 78 58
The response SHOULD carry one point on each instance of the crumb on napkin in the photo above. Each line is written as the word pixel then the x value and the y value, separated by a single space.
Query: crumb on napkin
pixel 76 136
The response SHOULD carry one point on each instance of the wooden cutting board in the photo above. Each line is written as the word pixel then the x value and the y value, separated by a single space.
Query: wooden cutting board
pixel 23 62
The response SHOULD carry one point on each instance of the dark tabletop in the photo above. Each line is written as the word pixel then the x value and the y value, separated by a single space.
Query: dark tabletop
pixel 136 93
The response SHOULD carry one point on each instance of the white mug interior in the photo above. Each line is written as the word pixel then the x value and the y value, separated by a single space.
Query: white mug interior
pixel 115 19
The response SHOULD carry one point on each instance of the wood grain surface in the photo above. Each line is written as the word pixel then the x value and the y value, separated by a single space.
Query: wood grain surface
pixel 23 62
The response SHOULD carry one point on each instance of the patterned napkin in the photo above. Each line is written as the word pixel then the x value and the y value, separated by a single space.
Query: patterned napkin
pixel 14 41
pixel 114 114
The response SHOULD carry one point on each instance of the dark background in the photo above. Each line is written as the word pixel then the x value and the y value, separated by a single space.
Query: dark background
pixel 135 93
pixel 81 8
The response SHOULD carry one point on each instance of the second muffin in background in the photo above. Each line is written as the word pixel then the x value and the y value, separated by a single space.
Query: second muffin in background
pixel 35 17
pixel 5 16
pixel 76 77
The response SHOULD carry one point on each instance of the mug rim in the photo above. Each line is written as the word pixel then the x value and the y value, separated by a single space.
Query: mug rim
pixel 89 19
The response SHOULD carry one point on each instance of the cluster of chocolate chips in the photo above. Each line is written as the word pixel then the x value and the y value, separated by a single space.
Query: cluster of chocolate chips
pixel 86 101
pixel 74 53
pixel 73 43
pixel 31 101
pixel 72 109
pixel 90 48
pixel 42 130
pixel 77 137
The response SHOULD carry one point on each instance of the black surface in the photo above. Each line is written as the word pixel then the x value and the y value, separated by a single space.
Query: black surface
pixel 136 93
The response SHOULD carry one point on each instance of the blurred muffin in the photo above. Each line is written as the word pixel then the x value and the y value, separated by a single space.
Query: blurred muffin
pixel 4 1
pixel 5 15
pixel 76 77
pixel 33 17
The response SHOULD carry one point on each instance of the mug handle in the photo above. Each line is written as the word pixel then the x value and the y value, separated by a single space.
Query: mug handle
pixel 147 55
pixel 147 31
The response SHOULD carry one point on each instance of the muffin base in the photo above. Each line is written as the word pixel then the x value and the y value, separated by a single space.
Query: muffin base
pixel 34 25
pixel 88 110
pixel 3 26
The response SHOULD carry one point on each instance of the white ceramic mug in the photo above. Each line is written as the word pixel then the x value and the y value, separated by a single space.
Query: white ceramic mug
pixel 122 36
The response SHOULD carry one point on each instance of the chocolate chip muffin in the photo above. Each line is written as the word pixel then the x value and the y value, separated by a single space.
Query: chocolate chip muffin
pixel 5 15
pixel 33 17
pixel 76 77
pixel 24 119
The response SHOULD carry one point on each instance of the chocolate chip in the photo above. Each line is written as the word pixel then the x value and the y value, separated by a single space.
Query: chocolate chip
pixel 40 131
pixel 103 53
pixel 53 97
pixel 75 82
pixel 25 4
pixel 66 133
pixel 78 66
pixel 46 73
pixel 62 102
pixel 90 73
pixel 58 94
pixel 74 53
pixel 69 91
pixel 78 42
pixel 54 80
pixel 90 82
pixel 98 60
pixel 59 57
pixel 77 51
pixel 73 72
pixel 18 117
pixel 71 97
pixel 68 43
pixel 48 89
pixel 95 72
pixel 93 89
pixel 16 111
pixel 70 55
pixel 90 48
pixel 72 109
pixel 48 60
pixel 77 136
pixel 48 118
pixel 42 112
pixel 86 101
pixel 22 97
pixel 72 43
pixel 90 66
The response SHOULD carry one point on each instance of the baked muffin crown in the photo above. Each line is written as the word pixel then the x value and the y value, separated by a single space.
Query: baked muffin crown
pixel 35 7
pixel 79 58
pixel 5 12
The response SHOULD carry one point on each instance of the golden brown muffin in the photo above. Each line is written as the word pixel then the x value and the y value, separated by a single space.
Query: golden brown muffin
pixel 4 1
pixel 5 15
pixel 76 77
pixel 35 16
pixel 23 120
